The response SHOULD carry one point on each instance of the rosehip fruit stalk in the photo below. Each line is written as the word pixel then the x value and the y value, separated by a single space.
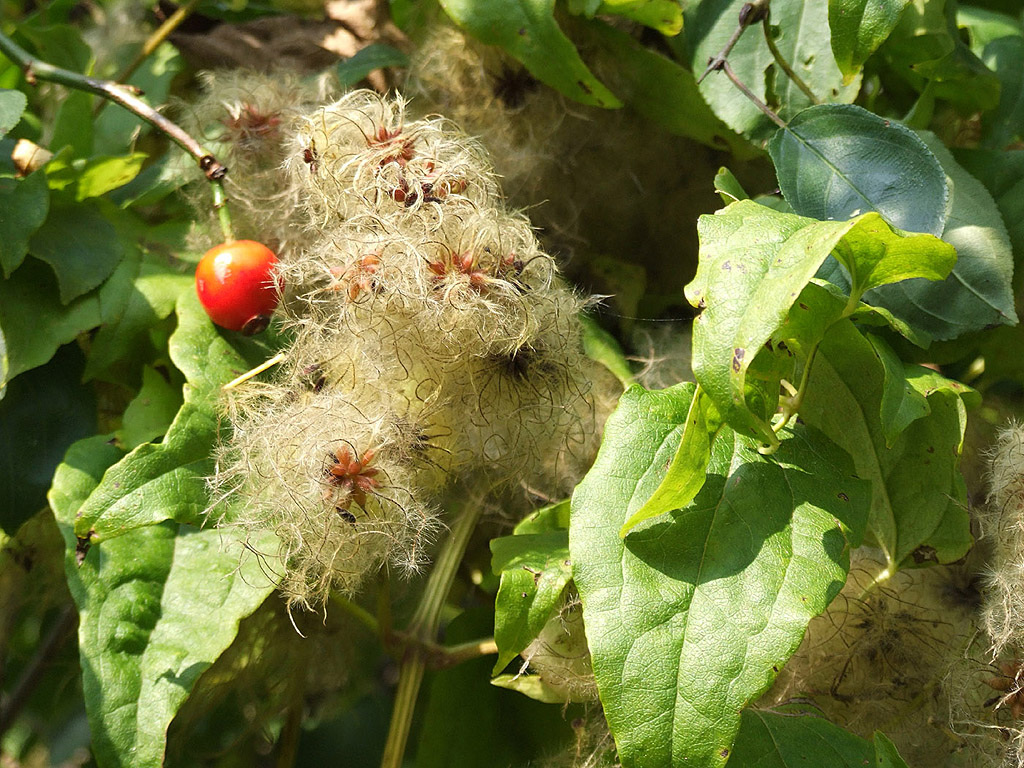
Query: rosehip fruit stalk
pixel 236 286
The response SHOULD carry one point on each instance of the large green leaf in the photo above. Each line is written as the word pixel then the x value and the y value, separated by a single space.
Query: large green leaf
pixel 792 740
pixel 798 25
pixel 528 31
pixel 837 161
pixel 12 106
pixel 166 481
pixel 914 476
pixel 690 618
pixel 156 609
pixel 1005 123
pixel 142 291
pixel 977 294
pixel 23 207
pixel 754 264
pixel 33 320
pixel 858 27
pixel 41 414
pixel 81 246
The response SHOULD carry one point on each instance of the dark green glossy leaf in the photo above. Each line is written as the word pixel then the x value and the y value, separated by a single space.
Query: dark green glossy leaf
pixel 798 26
pixel 754 264
pixel 12 106
pixel 685 475
pixel 33 320
pixel 912 481
pixel 977 294
pixel 791 740
pixel 166 481
pixel 80 245
pixel 41 414
pixel 24 204
pixel 528 31
pixel 690 618
pixel 374 56
pixel 156 609
pixel 837 161
pixel 534 569
pixel 1005 123
pixel 858 27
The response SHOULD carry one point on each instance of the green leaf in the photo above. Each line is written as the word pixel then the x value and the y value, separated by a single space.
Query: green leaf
pixel 142 291
pixel 33 320
pixel 666 16
pixel 913 480
pixel 72 126
pixel 836 161
pixel 983 26
pixel 791 740
pixel 690 618
pixel 926 48
pixel 24 204
pixel 902 403
pixel 534 569
pixel 658 88
pixel 116 129
pixel 103 174
pixel 754 264
pixel 148 416
pixel 685 475
pixel 166 481
pixel 532 686
pixel 156 610
pixel 12 106
pixel 798 26
pixel 366 60
pixel 728 187
pixel 527 30
pixel 858 28
pixel 601 347
pixel 80 245
pixel 59 44
pixel 554 517
pixel 1005 123
pixel 886 754
pixel 41 414
pixel 978 293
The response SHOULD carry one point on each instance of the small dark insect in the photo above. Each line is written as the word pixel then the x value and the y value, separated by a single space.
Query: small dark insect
pixel 309 157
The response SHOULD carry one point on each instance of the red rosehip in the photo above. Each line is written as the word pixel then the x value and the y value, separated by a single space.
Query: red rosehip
pixel 235 283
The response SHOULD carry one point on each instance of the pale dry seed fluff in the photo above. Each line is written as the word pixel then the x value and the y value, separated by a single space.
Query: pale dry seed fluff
pixel 1003 528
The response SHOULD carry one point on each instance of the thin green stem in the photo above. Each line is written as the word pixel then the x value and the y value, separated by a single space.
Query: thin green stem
pixel 357 612
pixel 220 205
pixel 124 95
pixel 784 65
pixel 423 627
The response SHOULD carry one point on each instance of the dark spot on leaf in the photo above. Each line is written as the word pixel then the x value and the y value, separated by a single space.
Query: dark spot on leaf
pixel 524 595
pixel 843 496
pixel 584 87
pixel 82 548
pixel 737 358
pixel 522 31
pixel 724 753
pixel 775 669
pixel 931 449
pixel 726 265
pixel 803 306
